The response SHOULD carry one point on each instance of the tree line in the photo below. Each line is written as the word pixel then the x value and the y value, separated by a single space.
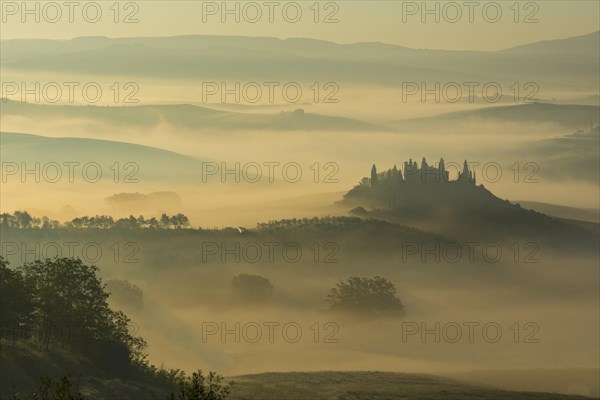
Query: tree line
pixel 316 222
pixel 24 220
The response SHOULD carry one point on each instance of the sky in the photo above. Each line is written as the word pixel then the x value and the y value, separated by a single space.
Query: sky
pixel 451 25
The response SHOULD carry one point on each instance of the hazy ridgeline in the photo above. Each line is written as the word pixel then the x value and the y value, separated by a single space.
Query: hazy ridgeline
pixel 493 293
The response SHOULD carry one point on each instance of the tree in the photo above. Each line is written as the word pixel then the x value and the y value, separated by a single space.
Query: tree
pixel 66 291
pixel 8 220
pixel 23 219
pixel 46 223
pixel 179 221
pixel 358 211
pixel 165 221
pixel 68 296
pixel 125 293
pixel 16 306
pixel 251 288
pixel 127 223
pixel 366 296
pixel 101 222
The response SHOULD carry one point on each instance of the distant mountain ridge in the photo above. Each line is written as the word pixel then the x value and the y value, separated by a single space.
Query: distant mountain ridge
pixel 568 63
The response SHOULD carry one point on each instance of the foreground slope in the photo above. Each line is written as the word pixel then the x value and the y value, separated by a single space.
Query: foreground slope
pixel 367 385
pixel 24 364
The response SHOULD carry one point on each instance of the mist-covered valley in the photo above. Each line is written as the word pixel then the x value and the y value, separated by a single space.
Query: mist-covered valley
pixel 308 218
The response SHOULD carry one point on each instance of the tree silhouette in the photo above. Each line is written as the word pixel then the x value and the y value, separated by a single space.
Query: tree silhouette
pixel 68 296
pixel 251 288
pixel 366 296
pixel 165 221
pixel 16 305
pixel 125 293
pixel 23 219
pixel 179 221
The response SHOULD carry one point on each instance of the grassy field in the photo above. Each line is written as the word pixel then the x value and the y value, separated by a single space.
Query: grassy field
pixel 368 386
pixel 24 364
pixel 581 381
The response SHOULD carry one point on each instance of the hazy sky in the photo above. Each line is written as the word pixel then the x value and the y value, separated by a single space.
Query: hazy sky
pixel 483 25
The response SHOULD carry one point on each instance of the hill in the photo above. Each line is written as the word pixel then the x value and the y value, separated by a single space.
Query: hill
pixel 582 381
pixel 183 116
pixel 567 116
pixel 461 209
pixel 565 212
pixel 573 157
pixel 151 163
pixel 337 385
pixel 23 365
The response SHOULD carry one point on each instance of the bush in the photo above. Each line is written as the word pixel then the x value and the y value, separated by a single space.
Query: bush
pixel 50 389
pixel 199 387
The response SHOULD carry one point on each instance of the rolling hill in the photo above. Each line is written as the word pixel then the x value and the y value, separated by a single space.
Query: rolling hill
pixel 183 116
pixel 22 363
pixel 152 163
pixel 468 212
pixel 569 158
pixel 368 386
pixel 566 116
pixel 563 211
